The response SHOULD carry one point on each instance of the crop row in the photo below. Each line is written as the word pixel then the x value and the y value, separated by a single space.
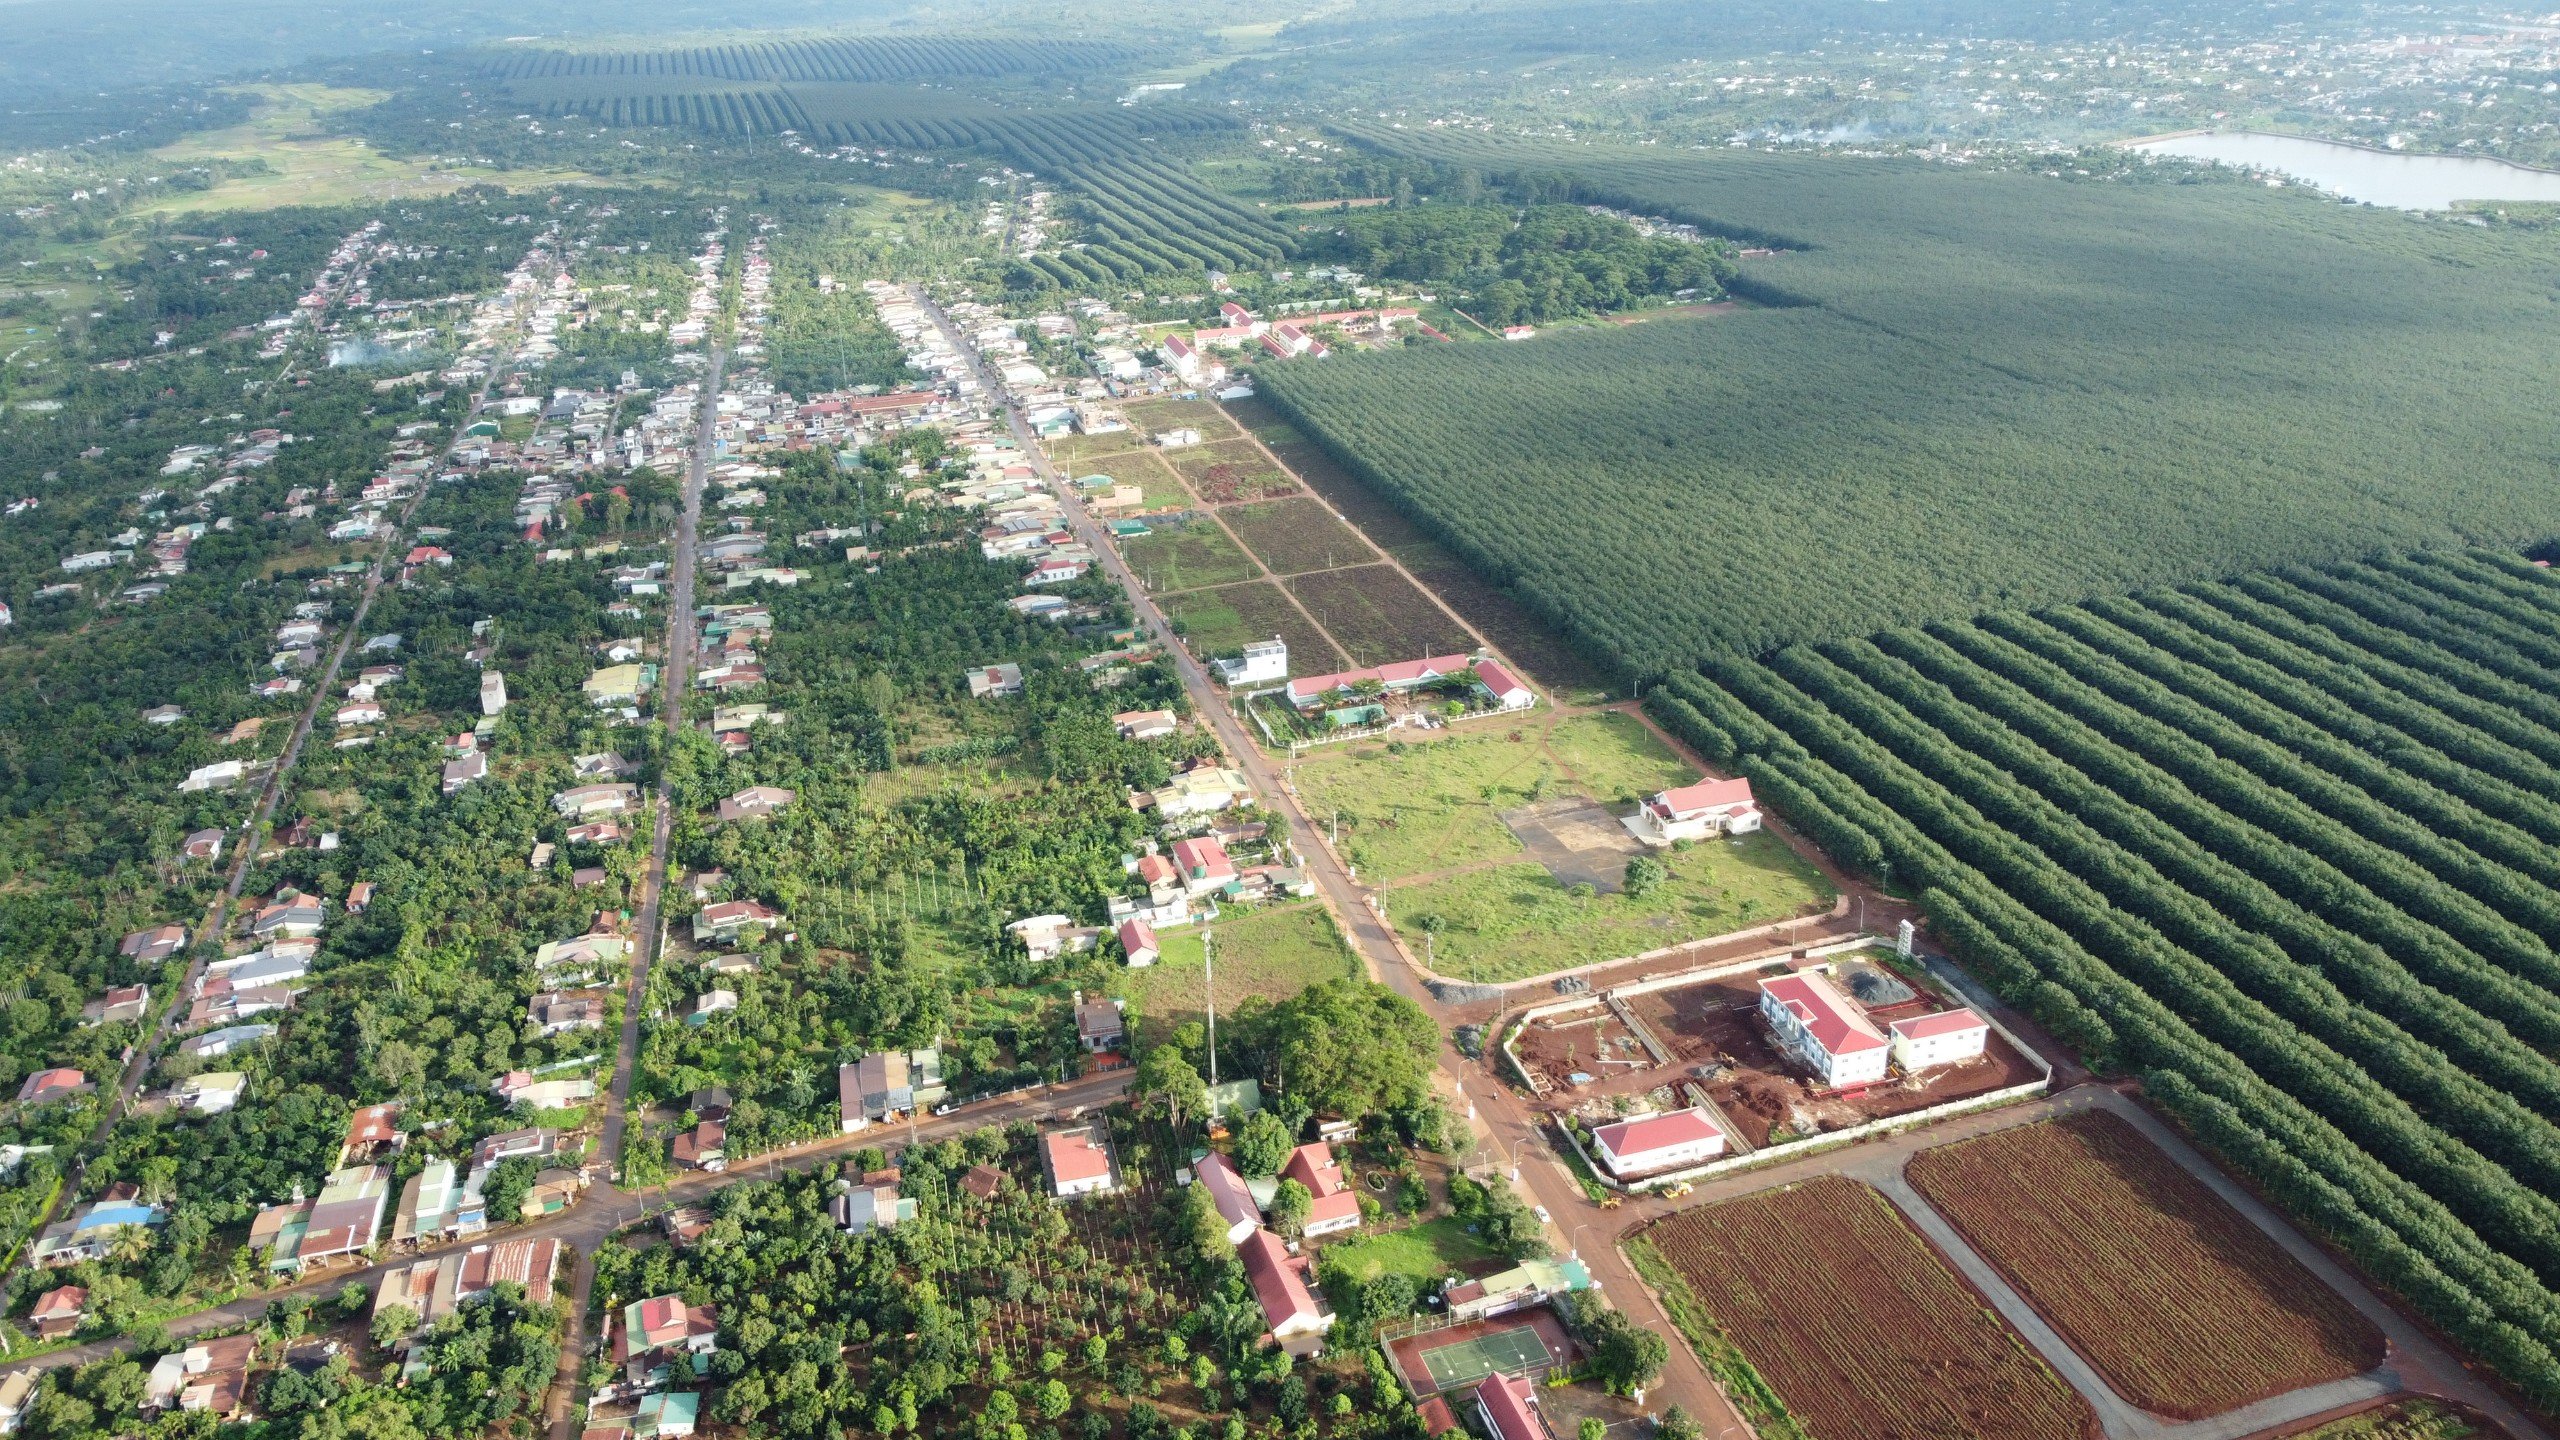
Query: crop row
pixel 2272 844
pixel 861 60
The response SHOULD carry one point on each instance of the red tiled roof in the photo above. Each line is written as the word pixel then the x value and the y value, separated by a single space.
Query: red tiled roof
pixel 1073 1156
pixel 1276 1283
pixel 1630 1138
pixel 1837 1025
pixel 1706 795
pixel 1226 1188
pixel 1506 1400
pixel 1945 1022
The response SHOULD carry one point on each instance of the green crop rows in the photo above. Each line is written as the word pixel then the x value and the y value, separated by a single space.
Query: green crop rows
pixel 1961 392
pixel 870 60
pixel 2283 846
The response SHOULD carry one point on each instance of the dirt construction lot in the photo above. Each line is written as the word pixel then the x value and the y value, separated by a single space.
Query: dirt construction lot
pixel 1763 1093
pixel 1578 841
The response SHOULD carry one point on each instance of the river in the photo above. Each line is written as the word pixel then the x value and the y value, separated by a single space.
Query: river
pixel 2392 178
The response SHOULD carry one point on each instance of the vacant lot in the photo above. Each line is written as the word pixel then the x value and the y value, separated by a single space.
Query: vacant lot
pixel 1513 921
pixel 2187 1308
pixel 1297 535
pixel 1154 417
pixel 1234 470
pixel 1857 1324
pixel 1615 759
pixel 1427 1252
pixel 1140 467
pixel 1187 556
pixel 1378 615
pixel 1077 454
pixel 1402 809
pixel 1272 954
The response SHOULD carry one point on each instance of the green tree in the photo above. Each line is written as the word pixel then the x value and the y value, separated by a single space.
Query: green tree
pixel 1645 874
pixel 391 1325
pixel 1263 1145
pixel 1625 1357
pixel 1167 1085
pixel 1289 1206
pixel 1053 1399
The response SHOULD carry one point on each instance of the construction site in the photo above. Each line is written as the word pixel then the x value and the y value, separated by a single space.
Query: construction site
pixel 1705 1043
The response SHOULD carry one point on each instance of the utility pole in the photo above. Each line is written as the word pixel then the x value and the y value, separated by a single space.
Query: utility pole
pixel 1209 996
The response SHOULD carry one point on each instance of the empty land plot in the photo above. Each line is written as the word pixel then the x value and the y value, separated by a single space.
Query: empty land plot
pixel 1219 622
pixel 1378 615
pixel 1187 556
pixel 1269 954
pixel 1267 424
pixel 1510 922
pixel 1235 470
pixel 1616 758
pixel 1074 452
pixel 1424 807
pixel 1143 468
pixel 1296 535
pixel 1155 417
pixel 1857 1324
pixel 2186 1307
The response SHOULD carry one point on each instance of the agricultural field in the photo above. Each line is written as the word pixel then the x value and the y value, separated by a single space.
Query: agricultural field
pixel 870 60
pixel 1227 471
pixel 1220 622
pixel 1378 615
pixel 1856 1324
pixel 1514 629
pixel 1297 535
pixel 290 134
pixel 2409 1420
pixel 2282 844
pixel 1187 556
pixel 2183 1305
pixel 1271 953
pixel 1999 455
pixel 1154 417
pixel 1509 922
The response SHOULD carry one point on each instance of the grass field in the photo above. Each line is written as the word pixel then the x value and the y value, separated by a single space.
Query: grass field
pixel 1272 953
pixel 1187 557
pixel 2186 1308
pixel 313 166
pixel 2408 1420
pixel 1513 921
pixel 1296 535
pixel 1075 454
pixel 1424 806
pixel 1857 1324
pixel 1154 417
pixel 1378 615
pixel 1426 1252
pixel 1615 759
pixel 1143 468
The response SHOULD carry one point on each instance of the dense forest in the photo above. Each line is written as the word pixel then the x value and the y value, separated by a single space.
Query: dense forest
pixel 1547 263
pixel 2280 846
pixel 1960 392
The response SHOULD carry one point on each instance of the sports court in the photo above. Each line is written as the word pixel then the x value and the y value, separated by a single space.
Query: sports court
pixel 1459 1356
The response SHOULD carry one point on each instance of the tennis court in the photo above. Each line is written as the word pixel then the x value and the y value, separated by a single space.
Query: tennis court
pixel 1467 1361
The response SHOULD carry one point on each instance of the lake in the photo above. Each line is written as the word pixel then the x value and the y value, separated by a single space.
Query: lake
pixel 2377 177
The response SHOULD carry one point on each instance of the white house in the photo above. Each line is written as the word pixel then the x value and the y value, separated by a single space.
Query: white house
pixel 1925 1042
pixel 1502 687
pixel 1652 1144
pixel 1264 662
pixel 1824 1030
pixel 1696 812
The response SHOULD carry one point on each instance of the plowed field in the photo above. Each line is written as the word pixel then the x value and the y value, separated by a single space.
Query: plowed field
pixel 1858 1325
pixel 2186 1308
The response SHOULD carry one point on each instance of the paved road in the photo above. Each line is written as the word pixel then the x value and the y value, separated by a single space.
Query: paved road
pixel 1514 1130
pixel 675 680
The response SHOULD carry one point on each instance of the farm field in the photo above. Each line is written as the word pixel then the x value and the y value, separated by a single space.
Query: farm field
pixel 1076 454
pixel 1856 1323
pixel 1187 557
pixel 1154 417
pixel 1271 953
pixel 2409 1420
pixel 1512 627
pixel 1378 615
pixel 1998 454
pixel 1223 472
pixel 2284 844
pixel 1510 922
pixel 1296 535
pixel 1220 621
pixel 310 166
pixel 2185 1307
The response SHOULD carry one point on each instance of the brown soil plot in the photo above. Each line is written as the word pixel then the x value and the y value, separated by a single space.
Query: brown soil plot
pixel 1858 1325
pixel 2183 1305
